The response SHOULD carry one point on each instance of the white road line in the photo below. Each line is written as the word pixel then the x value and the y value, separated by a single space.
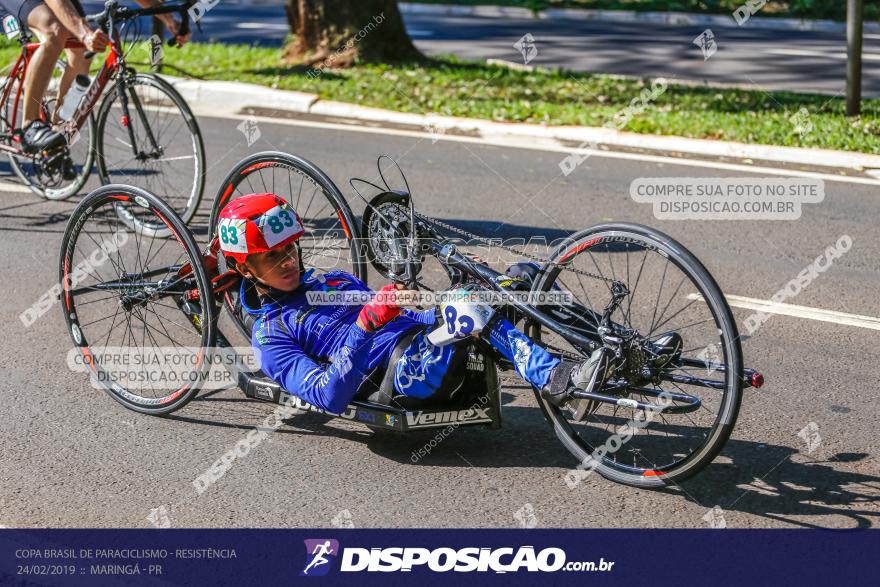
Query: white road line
pixel 6 186
pixel 820 54
pixel 769 307
pixel 551 145
pixel 176 158
pixel 263 25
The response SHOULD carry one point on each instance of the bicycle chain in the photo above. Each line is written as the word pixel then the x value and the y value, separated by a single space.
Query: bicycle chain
pixel 484 240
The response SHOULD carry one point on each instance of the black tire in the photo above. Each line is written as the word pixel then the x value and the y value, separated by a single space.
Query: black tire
pixel 82 154
pixel 603 238
pixel 249 176
pixel 98 209
pixel 183 196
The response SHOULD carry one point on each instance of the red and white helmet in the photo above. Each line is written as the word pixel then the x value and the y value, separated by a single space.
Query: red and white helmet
pixel 257 223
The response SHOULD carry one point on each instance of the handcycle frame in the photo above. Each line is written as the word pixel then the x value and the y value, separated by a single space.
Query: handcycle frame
pixel 259 387
pixel 113 64
pixel 484 408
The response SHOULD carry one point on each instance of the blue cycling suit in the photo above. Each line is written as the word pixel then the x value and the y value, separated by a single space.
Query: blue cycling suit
pixel 319 354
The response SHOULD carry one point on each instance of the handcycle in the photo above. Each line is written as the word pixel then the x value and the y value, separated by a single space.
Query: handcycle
pixel 135 135
pixel 627 286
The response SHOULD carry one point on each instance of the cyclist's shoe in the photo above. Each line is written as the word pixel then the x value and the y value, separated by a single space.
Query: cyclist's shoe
pixel 39 136
pixel 569 376
pixel 667 349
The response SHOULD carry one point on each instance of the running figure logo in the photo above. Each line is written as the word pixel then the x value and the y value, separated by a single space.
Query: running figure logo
pixel 317 553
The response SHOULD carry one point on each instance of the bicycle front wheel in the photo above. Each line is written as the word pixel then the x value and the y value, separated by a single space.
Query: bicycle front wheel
pixel 148 137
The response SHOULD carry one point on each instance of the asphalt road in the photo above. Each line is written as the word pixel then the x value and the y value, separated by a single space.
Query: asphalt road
pixel 750 56
pixel 757 58
pixel 73 457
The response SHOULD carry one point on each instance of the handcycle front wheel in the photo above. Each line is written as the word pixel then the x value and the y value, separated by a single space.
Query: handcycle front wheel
pixel 135 304
pixel 670 294
pixel 157 146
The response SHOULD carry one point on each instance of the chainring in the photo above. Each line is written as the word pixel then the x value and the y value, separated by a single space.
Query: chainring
pixel 50 168
pixel 387 229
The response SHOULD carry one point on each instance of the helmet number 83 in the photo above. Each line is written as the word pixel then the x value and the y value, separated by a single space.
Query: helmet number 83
pixel 228 235
pixel 275 222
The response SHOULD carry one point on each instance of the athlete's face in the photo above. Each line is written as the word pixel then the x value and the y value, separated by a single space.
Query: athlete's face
pixel 279 268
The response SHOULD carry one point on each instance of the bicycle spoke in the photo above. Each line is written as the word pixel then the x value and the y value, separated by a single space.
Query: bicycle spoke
pixel 171 172
pixel 666 439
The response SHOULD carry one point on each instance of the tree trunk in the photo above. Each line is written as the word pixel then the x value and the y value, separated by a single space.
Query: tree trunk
pixel 336 33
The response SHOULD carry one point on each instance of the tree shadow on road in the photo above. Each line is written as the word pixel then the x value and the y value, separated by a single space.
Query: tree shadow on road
pixel 784 485
pixel 768 481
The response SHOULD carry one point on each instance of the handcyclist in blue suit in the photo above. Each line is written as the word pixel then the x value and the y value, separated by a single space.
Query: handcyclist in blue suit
pixel 322 353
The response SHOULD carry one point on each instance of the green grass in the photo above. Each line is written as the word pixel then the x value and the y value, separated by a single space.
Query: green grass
pixel 448 86
pixel 554 97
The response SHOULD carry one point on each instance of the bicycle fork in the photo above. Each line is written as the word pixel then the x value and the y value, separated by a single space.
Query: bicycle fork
pixel 126 121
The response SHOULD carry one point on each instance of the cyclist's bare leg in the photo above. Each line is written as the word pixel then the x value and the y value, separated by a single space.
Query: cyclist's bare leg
pixel 76 64
pixel 52 36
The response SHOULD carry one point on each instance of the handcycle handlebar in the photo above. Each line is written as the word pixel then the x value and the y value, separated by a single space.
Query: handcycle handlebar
pixel 113 12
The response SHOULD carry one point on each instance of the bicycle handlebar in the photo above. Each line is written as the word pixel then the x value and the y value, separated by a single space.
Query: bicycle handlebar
pixel 184 27
pixel 113 12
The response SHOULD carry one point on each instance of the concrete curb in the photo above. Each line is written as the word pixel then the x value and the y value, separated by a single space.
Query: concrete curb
pixel 631 16
pixel 225 96
pixel 231 98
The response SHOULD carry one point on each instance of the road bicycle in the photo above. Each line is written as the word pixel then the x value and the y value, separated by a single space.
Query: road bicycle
pixel 142 132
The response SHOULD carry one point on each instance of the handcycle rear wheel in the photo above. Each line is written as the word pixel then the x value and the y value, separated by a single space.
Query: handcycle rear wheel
pixel 670 291
pixel 332 236
pixel 134 304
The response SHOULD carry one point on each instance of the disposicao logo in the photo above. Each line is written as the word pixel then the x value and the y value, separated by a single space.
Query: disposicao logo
pixel 318 556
